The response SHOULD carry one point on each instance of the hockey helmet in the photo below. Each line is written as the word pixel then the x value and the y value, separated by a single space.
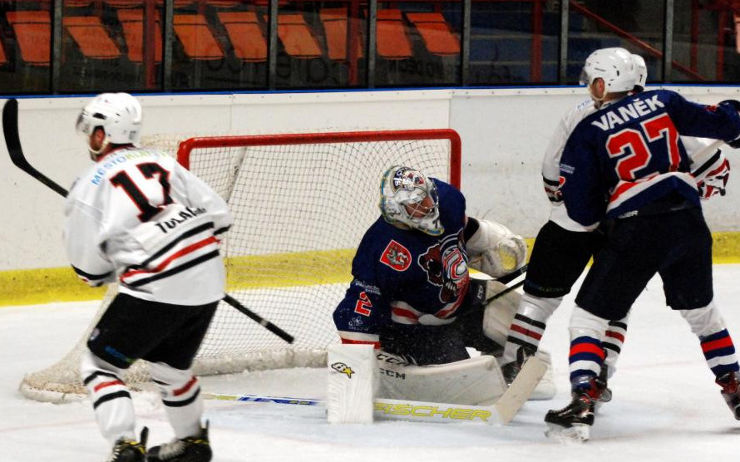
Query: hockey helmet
pixel 119 115
pixel 614 66
pixel 640 72
pixel 409 199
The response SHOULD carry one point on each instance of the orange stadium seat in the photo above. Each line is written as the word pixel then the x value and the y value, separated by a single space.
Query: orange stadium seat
pixel 436 33
pixel 132 21
pixel 91 37
pixel 245 34
pixel 334 21
pixel 141 3
pixel 297 38
pixel 33 33
pixel 393 41
pixel 197 40
pixel 3 58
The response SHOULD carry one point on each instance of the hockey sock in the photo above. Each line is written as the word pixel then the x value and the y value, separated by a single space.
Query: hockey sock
pixel 586 353
pixel 114 410
pixel 716 343
pixel 612 343
pixel 181 398
pixel 529 325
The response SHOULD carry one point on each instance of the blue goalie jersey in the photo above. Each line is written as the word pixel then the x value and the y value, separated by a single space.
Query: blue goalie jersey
pixel 406 277
pixel 629 154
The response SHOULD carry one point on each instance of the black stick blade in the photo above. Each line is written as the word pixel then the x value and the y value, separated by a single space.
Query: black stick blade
pixel 13 142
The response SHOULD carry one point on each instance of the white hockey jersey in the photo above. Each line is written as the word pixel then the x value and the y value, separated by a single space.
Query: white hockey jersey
pixel 140 217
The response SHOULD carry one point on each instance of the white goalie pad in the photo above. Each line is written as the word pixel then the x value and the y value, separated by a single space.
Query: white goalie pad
pixel 499 313
pixel 497 319
pixel 351 384
pixel 473 381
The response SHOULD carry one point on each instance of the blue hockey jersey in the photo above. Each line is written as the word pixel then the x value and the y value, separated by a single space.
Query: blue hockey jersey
pixel 628 154
pixel 406 276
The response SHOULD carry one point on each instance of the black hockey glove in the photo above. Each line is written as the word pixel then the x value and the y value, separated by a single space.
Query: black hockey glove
pixel 734 104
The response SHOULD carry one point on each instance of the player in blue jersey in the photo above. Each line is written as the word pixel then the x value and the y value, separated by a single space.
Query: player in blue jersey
pixel 624 167
pixel 411 297
pixel 563 247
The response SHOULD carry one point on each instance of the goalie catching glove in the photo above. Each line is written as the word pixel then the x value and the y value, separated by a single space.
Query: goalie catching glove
pixel 494 249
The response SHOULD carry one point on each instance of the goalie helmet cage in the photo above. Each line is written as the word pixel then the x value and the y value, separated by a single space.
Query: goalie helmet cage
pixel 301 204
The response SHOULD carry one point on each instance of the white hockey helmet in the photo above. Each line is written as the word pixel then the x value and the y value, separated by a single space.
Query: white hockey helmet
pixel 119 114
pixel 640 72
pixel 614 66
pixel 409 198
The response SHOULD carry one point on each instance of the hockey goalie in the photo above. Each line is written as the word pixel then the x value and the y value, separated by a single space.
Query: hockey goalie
pixel 414 300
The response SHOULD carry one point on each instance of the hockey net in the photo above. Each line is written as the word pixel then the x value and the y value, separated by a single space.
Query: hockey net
pixel 301 204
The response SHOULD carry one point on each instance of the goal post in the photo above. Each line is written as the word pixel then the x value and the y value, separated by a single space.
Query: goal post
pixel 301 204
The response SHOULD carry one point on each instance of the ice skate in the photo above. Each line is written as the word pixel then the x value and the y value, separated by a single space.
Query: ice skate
pixel 731 391
pixel 126 450
pixel 574 421
pixel 191 449
pixel 604 392
pixel 511 370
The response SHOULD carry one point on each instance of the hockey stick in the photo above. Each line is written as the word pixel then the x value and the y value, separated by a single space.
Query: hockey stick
pixel 501 412
pixel 504 292
pixel 259 319
pixel 507 278
pixel 13 142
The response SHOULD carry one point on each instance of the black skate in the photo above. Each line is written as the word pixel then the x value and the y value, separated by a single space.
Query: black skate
pixel 730 384
pixel 574 421
pixel 191 449
pixel 130 451
pixel 511 370
pixel 605 393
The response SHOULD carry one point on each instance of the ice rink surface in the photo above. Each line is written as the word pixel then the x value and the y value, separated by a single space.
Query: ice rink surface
pixel 665 407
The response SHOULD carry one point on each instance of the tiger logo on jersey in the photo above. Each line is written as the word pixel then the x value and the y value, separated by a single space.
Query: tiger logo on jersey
pixel 446 266
pixel 396 256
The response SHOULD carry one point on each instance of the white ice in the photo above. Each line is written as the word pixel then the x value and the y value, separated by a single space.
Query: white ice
pixel 665 407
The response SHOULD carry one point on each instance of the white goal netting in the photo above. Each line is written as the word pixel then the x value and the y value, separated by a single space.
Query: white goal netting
pixel 301 204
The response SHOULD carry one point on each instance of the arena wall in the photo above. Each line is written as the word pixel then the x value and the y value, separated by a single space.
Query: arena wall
pixel 504 133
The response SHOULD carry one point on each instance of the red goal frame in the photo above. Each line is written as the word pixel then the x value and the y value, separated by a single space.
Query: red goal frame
pixel 183 152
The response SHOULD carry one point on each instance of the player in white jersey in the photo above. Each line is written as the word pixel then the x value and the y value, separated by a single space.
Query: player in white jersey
pixel 137 217
pixel 563 246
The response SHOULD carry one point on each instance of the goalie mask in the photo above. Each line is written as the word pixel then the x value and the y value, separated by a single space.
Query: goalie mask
pixel 118 114
pixel 409 199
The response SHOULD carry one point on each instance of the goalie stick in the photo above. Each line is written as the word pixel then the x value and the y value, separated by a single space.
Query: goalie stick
pixel 13 142
pixel 501 412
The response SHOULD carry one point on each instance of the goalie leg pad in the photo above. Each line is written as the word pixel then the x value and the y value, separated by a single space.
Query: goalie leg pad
pixel 499 313
pixel 114 410
pixel 180 392
pixel 352 383
pixel 546 388
pixel 473 381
